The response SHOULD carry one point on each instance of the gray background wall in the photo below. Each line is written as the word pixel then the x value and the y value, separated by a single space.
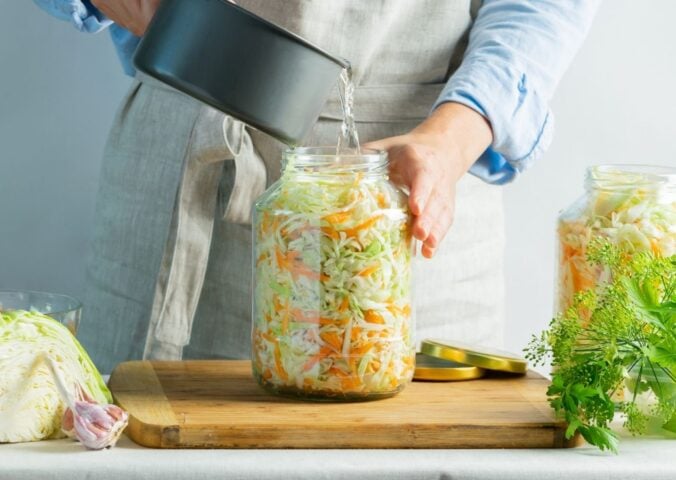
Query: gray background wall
pixel 59 90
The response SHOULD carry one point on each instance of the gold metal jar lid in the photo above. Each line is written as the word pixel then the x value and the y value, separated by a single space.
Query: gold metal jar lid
pixel 440 370
pixel 488 358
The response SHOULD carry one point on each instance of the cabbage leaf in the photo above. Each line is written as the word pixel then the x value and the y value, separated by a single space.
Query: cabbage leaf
pixel 31 408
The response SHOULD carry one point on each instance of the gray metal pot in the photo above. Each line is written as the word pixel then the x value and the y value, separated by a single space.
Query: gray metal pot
pixel 240 64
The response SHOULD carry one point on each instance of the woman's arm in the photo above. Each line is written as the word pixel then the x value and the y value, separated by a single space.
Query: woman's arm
pixel 493 118
pixel 517 53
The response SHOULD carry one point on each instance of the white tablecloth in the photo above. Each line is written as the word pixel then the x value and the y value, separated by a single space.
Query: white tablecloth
pixel 645 458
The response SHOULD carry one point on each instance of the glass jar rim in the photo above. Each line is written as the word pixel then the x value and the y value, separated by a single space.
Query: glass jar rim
pixel 70 303
pixel 610 176
pixel 325 158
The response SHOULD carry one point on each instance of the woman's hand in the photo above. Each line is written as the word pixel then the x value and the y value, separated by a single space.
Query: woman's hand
pixel 430 160
pixel 133 15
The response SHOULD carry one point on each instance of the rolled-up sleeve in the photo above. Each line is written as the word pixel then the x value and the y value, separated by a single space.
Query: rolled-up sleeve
pixel 518 50
pixel 80 13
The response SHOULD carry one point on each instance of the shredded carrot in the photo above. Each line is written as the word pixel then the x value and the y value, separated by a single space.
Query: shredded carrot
pixel 332 339
pixel 338 217
pixel 269 337
pixel 363 349
pixel 311 362
pixel 310 316
pixel 382 203
pixel 281 261
pixel 368 270
pixel 353 232
pixel 351 383
pixel 332 321
pixel 372 316
pixel 353 364
pixel 655 247
pixel 325 352
pixel 278 363
pixel 299 270
pixel 330 232
pixel 285 321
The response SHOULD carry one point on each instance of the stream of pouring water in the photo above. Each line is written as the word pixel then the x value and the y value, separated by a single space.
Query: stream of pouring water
pixel 348 140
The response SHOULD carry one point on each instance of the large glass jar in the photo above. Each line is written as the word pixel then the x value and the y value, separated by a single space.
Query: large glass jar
pixel 332 315
pixel 632 206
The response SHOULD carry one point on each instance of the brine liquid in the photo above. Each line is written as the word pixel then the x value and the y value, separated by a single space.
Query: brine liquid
pixel 348 140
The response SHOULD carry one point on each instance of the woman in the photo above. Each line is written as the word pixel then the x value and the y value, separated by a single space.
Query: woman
pixel 446 87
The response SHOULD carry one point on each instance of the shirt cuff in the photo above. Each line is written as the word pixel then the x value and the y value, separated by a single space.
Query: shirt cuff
pixel 125 46
pixel 80 13
pixel 520 118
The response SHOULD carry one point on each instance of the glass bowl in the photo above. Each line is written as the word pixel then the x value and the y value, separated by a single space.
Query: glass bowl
pixel 62 308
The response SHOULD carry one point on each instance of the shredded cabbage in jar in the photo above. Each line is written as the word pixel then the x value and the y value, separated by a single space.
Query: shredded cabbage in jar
pixel 332 312
pixel 635 218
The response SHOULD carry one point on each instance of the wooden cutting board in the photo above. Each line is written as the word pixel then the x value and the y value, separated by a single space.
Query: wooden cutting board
pixel 217 404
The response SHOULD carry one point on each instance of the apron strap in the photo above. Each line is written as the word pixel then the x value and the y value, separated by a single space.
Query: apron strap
pixel 216 138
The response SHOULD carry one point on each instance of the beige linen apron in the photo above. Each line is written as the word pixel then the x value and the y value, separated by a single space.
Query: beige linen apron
pixel 170 271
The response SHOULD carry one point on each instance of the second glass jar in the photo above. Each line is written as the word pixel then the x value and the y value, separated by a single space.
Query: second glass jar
pixel 631 206
pixel 332 313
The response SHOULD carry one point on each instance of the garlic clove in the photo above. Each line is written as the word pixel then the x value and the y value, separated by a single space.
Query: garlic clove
pixel 95 426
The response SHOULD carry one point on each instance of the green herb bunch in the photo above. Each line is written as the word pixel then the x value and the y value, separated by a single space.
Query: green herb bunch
pixel 626 324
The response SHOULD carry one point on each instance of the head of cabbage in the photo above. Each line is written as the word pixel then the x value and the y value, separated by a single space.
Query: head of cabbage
pixel 30 405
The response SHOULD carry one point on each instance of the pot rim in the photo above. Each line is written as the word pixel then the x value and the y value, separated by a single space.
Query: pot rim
pixel 293 36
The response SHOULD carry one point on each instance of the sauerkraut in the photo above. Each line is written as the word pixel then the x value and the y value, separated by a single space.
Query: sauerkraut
pixel 634 210
pixel 332 293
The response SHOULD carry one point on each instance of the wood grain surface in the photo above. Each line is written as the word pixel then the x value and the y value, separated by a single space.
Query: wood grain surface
pixel 217 404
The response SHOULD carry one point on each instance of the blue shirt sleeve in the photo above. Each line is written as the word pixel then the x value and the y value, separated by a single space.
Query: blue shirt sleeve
pixel 518 50
pixel 81 13
pixel 125 44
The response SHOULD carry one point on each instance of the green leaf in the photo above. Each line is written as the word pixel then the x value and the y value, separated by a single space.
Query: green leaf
pixel 573 424
pixel 583 392
pixel 569 403
pixel 670 426
pixel 601 437
pixel 556 387
pixel 556 403
pixel 662 356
